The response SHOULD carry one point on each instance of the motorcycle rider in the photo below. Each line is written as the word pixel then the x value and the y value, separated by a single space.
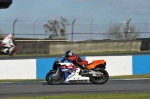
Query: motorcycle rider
pixel 77 60
pixel 8 43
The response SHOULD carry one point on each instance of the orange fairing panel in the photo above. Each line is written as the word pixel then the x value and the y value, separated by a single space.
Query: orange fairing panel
pixel 95 63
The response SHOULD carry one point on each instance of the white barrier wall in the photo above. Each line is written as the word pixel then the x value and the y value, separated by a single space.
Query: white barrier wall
pixel 18 69
pixel 115 65
pixel 37 68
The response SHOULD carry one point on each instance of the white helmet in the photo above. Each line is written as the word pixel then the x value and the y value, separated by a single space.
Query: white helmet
pixel 10 36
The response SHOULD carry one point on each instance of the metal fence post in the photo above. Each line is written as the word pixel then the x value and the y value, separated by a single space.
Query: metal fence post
pixel 110 28
pixel 91 29
pixel 110 23
pixel 14 27
pixel 127 28
pixel 72 28
pixel 145 27
pixel 34 29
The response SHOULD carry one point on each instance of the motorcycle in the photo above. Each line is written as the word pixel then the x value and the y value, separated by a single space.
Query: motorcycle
pixel 69 72
pixel 2 50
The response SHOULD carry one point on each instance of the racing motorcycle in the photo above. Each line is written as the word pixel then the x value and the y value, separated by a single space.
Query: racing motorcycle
pixel 2 50
pixel 69 72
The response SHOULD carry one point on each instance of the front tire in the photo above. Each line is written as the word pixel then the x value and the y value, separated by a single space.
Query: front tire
pixel 54 80
pixel 12 53
pixel 100 80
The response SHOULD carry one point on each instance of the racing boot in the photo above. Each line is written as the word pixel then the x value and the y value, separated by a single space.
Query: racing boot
pixel 84 70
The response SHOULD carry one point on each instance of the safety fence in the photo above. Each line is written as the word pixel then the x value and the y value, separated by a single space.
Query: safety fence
pixel 80 29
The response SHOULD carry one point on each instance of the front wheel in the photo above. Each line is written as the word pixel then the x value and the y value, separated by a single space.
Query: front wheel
pixel 54 79
pixel 100 80
pixel 13 53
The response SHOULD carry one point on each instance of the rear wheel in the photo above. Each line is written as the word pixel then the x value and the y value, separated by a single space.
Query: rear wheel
pixel 102 79
pixel 54 79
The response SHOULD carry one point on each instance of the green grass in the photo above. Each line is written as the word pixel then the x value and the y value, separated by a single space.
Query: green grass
pixel 22 80
pixel 113 52
pixel 93 96
pixel 92 53
pixel 85 53
pixel 131 76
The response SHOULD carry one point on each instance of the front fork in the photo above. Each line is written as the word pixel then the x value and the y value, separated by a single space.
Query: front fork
pixel 56 75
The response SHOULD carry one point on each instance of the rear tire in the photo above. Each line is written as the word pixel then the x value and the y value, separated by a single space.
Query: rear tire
pixel 100 80
pixel 54 80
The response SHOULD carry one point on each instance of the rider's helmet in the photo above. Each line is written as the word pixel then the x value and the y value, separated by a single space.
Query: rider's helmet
pixel 10 36
pixel 69 53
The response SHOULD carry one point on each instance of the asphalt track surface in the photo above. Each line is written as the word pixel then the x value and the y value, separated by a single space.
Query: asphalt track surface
pixel 8 90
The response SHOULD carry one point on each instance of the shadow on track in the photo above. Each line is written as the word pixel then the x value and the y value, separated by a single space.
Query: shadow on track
pixel 78 83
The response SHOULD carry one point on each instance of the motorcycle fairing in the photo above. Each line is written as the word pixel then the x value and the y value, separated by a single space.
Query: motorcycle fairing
pixel 67 69
pixel 96 63
pixel 71 72
pixel 74 76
